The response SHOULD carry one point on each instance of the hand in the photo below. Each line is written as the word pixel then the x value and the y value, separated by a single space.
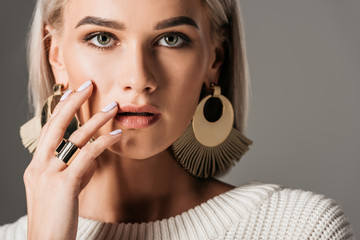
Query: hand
pixel 52 187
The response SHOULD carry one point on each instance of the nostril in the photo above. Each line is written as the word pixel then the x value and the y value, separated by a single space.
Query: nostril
pixel 138 87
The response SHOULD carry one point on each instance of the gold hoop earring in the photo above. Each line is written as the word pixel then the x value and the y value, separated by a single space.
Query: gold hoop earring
pixel 30 131
pixel 210 145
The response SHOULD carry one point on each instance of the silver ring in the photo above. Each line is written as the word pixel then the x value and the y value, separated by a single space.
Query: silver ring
pixel 66 151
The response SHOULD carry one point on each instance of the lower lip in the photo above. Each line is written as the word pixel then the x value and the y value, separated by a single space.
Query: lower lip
pixel 137 122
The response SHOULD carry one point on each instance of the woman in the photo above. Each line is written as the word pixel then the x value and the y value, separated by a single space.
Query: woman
pixel 133 73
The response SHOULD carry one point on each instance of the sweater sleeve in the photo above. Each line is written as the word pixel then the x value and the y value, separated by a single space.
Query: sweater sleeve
pixel 332 223
pixel 313 216
pixel 14 231
pixel 295 214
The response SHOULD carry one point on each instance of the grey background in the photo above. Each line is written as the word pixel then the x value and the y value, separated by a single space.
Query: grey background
pixel 304 59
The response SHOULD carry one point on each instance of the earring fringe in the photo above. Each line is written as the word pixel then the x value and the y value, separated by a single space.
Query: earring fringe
pixel 30 133
pixel 202 161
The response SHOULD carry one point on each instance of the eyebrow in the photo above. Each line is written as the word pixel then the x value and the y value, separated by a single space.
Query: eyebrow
pixel 100 22
pixel 176 21
pixel 167 23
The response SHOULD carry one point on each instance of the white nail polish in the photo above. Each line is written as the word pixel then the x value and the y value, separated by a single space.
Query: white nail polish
pixel 116 132
pixel 65 95
pixel 109 107
pixel 84 86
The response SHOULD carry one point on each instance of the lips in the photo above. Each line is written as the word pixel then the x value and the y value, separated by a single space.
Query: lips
pixel 136 114
pixel 137 117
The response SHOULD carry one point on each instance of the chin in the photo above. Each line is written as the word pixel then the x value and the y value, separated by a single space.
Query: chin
pixel 130 148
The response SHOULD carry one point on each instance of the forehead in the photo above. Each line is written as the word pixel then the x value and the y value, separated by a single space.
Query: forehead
pixel 134 12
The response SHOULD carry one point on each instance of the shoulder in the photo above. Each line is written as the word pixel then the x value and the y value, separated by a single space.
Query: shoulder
pixel 14 231
pixel 293 213
pixel 319 215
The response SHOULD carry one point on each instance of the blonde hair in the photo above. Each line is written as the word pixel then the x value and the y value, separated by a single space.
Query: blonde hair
pixel 41 78
pixel 226 24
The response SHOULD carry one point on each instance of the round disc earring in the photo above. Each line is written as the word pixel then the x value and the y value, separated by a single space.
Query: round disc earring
pixel 210 144
pixel 208 132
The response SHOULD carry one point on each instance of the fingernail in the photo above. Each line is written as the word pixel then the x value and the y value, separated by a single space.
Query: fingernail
pixel 84 86
pixel 109 107
pixel 65 95
pixel 116 132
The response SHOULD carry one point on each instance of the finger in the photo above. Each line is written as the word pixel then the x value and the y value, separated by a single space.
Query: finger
pixel 62 101
pixel 90 151
pixel 58 124
pixel 81 136
pixel 88 174
pixel 57 108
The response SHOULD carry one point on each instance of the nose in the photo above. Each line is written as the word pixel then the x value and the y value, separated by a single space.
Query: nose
pixel 138 70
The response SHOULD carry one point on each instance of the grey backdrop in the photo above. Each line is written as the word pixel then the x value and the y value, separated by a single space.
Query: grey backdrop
pixel 304 59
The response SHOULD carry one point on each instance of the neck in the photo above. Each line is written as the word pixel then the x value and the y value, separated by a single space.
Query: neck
pixel 130 190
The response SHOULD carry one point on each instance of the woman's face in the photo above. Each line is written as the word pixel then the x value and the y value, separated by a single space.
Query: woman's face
pixel 156 54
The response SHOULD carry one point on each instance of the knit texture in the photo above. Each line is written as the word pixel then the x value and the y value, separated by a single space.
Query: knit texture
pixel 253 211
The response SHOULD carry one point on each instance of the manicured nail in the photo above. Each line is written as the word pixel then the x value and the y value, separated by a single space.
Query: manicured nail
pixel 65 95
pixel 109 107
pixel 84 86
pixel 116 132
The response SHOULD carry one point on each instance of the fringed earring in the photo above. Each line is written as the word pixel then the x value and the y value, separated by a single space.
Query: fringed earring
pixel 30 131
pixel 210 144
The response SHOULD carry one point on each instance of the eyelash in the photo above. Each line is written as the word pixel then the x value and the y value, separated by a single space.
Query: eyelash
pixel 186 40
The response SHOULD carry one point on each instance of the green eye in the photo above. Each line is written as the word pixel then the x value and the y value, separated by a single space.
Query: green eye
pixel 103 39
pixel 171 40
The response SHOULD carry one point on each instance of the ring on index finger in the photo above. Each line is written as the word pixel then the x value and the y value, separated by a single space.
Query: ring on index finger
pixel 67 151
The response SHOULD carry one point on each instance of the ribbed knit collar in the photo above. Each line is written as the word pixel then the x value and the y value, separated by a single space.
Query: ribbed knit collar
pixel 205 221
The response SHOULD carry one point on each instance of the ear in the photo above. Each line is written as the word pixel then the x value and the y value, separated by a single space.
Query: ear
pixel 55 56
pixel 216 61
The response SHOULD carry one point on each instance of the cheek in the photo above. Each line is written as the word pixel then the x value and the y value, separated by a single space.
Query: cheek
pixel 185 77
pixel 80 67
pixel 83 65
pixel 184 80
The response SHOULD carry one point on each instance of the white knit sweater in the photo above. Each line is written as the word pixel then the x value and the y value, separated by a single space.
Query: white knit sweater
pixel 253 211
